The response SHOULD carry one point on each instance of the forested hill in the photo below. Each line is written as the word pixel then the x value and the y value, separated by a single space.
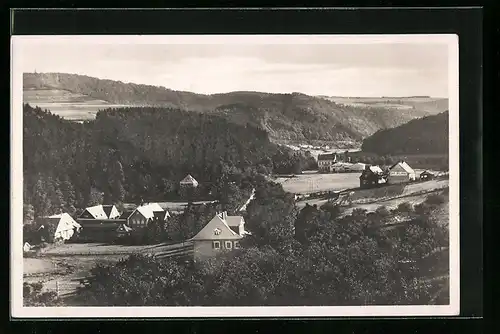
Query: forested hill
pixel 428 135
pixel 286 117
pixel 139 153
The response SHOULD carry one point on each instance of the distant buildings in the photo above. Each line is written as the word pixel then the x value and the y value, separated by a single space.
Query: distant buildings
pixel 326 162
pixel 400 172
pixel 108 229
pixel 221 233
pixel 189 182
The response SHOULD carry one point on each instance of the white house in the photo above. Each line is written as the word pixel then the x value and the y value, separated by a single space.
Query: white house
pixel 66 225
pixel 189 181
pixel 221 233
pixel 100 212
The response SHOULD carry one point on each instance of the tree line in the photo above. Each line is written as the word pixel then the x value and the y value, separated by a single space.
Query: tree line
pixel 140 154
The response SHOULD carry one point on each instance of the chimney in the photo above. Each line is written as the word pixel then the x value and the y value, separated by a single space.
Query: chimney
pixel 224 215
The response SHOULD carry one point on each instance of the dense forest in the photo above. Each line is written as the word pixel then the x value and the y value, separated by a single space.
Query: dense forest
pixel 134 154
pixel 428 135
pixel 285 117
pixel 308 257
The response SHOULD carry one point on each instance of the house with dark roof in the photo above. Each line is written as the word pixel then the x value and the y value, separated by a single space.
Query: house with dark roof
pixel 372 176
pixel 400 172
pixel 426 175
pixel 222 233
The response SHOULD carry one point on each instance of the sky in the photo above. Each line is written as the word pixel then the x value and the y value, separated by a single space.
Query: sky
pixel 381 69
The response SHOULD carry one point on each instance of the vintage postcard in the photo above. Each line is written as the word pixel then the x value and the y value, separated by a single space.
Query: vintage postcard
pixel 234 176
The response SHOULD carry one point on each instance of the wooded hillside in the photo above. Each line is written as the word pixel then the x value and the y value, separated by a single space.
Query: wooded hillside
pixel 286 117
pixel 428 135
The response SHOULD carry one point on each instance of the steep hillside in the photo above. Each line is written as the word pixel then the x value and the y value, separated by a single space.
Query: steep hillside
pixel 286 117
pixel 428 135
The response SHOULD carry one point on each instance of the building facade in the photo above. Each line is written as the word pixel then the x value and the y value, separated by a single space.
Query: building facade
pixel 372 176
pixel 401 172
pixel 326 162
pixel 222 233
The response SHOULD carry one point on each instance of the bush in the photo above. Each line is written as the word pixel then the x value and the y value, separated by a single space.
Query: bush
pixel 435 199
pixel 33 295
pixel 405 207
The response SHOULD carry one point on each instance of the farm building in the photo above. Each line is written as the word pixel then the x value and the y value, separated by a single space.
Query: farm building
pixel 64 226
pixel 326 162
pixel 221 233
pixel 143 214
pixel 100 212
pixel 189 181
pixel 111 211
pixel 372 176
pixel 426 175
pixel 401 172
pixel 99 230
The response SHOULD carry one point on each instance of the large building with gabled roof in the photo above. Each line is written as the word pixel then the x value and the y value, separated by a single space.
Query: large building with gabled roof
pixel 100 212
pixel 401 172
pixel 222 233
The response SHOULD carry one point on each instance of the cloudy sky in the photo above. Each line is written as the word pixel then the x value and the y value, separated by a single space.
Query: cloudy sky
pixel 383 69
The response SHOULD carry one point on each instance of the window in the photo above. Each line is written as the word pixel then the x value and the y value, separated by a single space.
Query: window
pixel 237 245
pixel 217 231
pixel 216 244
pixel 229 245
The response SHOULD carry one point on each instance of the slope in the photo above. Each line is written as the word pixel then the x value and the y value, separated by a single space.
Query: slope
pixel 286 117
pixel 428 135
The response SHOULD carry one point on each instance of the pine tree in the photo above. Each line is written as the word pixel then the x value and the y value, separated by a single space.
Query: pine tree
pixel 40 201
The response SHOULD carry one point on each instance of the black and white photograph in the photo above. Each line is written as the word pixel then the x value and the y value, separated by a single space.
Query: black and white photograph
pixel 235 175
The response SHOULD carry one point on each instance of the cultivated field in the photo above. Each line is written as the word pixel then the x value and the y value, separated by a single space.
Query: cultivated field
pixel 99 249
pixel 68 105
pixel 314 182
pixel 430 104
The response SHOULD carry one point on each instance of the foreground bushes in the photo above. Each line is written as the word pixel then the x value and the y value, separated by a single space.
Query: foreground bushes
pixel 353 260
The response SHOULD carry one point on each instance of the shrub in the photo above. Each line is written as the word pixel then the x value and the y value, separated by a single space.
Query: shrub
pixel 405 207
pixel 435 199
pixel 33 295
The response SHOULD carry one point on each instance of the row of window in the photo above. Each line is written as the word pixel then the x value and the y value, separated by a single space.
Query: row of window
pixel 227 244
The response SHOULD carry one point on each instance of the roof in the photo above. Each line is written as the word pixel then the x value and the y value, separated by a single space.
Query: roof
pixel 96 211
pixel 330 156
pixel 376 169
pixel 110 210
pixel 65 222
pixel 189 179
pixel 405 166
pixel 146 211
pixel 426 172
pixel 233 220
pixel 155 207
pixel 126 214
pixel 209 231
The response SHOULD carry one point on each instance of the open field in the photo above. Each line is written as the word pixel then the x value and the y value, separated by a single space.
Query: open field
pixel 313 182
pixel 68 105
pixel 430 104
pixel 97 249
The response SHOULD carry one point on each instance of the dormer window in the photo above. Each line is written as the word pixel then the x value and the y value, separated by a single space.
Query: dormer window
pixel 217 231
